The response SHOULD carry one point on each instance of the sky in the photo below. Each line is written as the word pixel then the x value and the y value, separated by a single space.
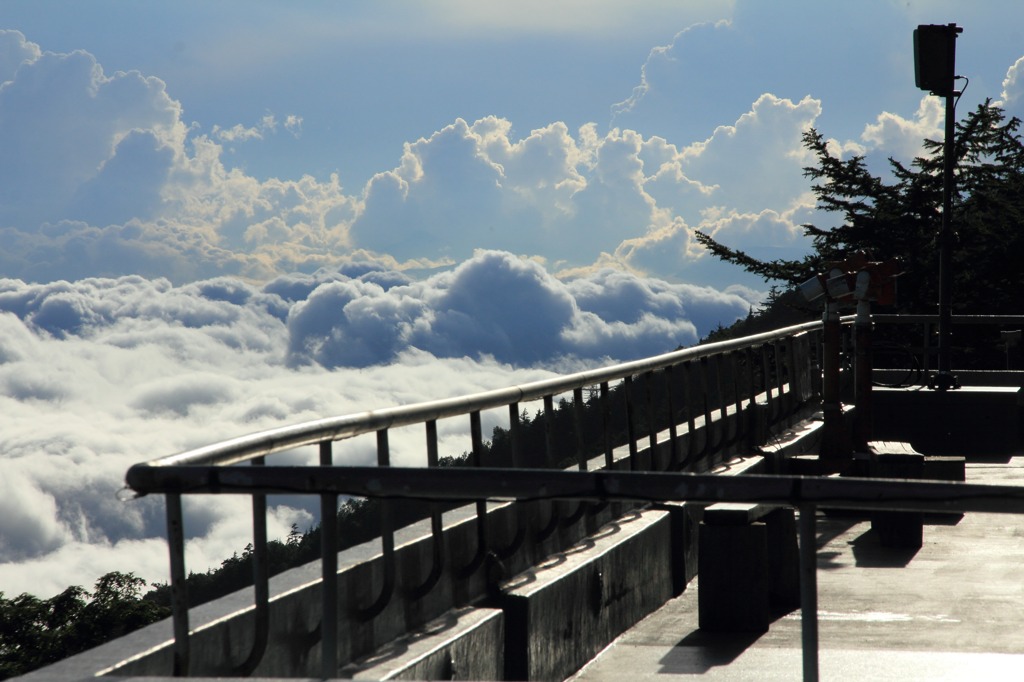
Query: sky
pixel 217 218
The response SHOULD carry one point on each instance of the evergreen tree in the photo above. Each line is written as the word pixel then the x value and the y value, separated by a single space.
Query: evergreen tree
pixel 901 218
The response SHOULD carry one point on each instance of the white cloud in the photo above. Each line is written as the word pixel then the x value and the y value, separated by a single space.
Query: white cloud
pixel 267 125
pixel 1013 84
pixel 15 50
pixel 97 374
pixel 902 138
pixel 239 133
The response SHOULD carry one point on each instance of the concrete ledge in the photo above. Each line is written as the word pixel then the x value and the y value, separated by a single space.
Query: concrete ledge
pixel 560 614
pixel 972 421
pixel 466 644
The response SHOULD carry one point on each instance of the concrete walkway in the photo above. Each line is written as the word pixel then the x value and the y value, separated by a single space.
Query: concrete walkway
pixel 953 610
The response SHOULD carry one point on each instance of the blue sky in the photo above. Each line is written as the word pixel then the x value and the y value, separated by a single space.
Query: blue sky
pixel 222 217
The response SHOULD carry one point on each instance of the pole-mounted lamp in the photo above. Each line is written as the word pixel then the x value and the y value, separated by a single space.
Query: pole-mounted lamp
pixel 935 71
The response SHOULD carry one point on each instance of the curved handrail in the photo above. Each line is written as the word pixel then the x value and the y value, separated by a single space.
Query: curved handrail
pixel 243 448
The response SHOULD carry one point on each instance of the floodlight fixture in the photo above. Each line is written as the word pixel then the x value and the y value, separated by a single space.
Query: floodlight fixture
pixel 935 58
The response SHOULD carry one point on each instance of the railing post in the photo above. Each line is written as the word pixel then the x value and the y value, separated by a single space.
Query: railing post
pixel 834 443
pixel 179 589
pixel 328 574
pixel 673 433
pixel 260 582
pixel 809 591
pixel 606 425
pixel 863 418
pixel 627 389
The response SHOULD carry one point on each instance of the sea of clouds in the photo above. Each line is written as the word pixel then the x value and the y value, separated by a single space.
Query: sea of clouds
pixel 155 299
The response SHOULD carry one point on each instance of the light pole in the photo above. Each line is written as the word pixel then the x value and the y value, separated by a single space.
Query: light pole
pixel 935 71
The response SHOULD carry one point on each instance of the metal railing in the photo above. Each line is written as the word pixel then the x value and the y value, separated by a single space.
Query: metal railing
pixel 921 345
pixel 665 402
pixel 674 413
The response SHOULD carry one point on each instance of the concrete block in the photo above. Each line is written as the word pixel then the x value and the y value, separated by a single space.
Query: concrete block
pixel 783 561
pixel 465 644
pixel 560 614
pixel 898 529
pixel 683 518
pixel 948 468
pixel 733 583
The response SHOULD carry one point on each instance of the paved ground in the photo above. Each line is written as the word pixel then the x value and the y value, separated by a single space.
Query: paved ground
pixel 953 610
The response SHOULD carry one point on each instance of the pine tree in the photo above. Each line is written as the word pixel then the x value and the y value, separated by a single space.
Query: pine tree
pixel 901 218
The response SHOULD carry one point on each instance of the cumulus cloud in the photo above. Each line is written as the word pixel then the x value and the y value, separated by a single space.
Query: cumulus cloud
pixel 497 305
pixel 901 138
pixel 1013 85
pixel 111 182
pixel 107 179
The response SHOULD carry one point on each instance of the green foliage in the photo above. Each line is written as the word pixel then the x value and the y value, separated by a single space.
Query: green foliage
pixel 35 632
pixel 901 218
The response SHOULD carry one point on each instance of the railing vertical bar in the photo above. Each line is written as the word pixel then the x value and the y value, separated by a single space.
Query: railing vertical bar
pixel 652 422
pixel 436 523
pixel 516 443
pixel 734 369
pixel 549 456
pixel 606 423
pixel 780 376
pixel 691 415
pixel 328 574
pixel 515 435
pixel 578 416
pixel 809 591
pixel 742 423
pixel 581 452
pixel 793 375
pixel 766 381
pixel 260 582
pixel 751 376
pixel 715 363
pixel 179 589
pixel 723 407
pixel 673 434
pixel 387 539
pixel 476 436
pixel 706 402
pixel 549 430
pixel 630 423
pixel 926 348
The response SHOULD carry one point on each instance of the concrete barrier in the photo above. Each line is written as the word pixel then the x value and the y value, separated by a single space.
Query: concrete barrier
pixel 466 644
pixel 560 614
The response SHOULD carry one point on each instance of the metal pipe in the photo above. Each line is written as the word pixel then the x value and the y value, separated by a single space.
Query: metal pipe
pixel 476 436
pixel 944 379
pixel 673 418
pixel 387 540
pixel 691 414
pixel 581 454
pixel 606 422
pixel 652 424
pixel 554 517
pixel 313 432
pixel 809 591
pixel 328 573
pixel 515 438
pixel 464 484
pixel 179 588
pixel 627 389
pixel 260 583
pixel 436 525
